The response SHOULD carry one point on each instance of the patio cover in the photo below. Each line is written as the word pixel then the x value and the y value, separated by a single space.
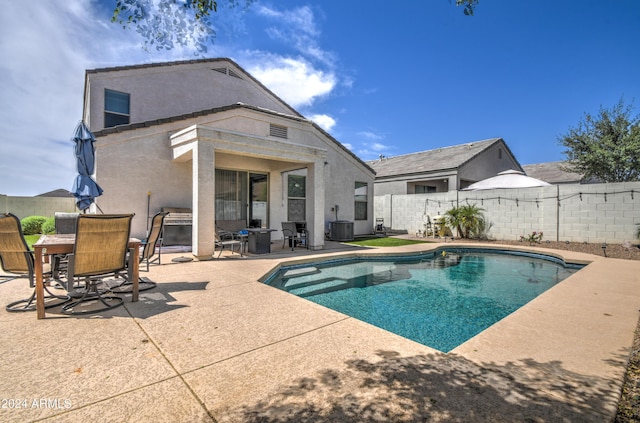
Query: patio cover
pixel 507 179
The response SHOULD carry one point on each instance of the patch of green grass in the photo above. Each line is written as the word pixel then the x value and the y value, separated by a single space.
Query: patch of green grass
pixel 31 239
pixel 385 242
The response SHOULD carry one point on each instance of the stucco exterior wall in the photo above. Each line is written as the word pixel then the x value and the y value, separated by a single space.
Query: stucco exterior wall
pixel 132 163
pixel 158 92
pixel 577 213
pixel 36 206
pixel 488 163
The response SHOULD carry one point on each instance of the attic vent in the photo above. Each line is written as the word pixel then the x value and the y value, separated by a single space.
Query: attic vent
pixel 227 71
pixel 278 131
pixel 232 73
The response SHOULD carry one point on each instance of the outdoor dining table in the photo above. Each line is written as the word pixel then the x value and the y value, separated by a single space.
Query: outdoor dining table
pixel 64 244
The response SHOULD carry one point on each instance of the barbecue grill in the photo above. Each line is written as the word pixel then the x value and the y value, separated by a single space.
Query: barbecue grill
pixel 177 226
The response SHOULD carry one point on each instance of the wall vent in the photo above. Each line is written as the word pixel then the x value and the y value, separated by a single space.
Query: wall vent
pixel 227 71
pixel 278 131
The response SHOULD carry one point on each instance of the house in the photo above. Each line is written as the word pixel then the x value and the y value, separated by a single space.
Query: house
pixel 443 169
pixel 207 136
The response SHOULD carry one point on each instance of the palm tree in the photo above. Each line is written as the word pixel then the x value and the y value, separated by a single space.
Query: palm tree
pixel 466 219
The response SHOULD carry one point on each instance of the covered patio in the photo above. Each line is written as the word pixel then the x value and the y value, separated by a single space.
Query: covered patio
pixel 212 343
pixel 210 150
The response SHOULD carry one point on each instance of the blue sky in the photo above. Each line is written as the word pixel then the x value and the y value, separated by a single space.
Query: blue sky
pixel 381 78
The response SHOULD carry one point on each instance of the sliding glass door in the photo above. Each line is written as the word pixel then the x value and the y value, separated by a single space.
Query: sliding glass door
pixel 242 196
pixel 259 205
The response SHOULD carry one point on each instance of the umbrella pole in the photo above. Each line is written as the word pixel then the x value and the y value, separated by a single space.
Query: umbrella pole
pixel 148 209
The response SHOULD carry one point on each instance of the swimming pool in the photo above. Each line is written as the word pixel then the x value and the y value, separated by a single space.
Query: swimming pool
pixel 439 299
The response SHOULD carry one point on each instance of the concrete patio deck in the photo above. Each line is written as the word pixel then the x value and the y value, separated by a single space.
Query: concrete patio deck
pixel 211 343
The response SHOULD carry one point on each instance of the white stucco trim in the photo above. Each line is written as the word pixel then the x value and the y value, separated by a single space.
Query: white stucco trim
pixel 245 144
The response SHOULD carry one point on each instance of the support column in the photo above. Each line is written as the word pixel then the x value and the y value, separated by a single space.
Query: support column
pixel 315 213
pixel 203 182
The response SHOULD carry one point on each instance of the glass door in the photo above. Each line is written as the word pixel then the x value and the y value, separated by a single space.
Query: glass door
pixel 259 202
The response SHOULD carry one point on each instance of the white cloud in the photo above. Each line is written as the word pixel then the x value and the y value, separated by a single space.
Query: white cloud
pixel 298 28
pixel 348 145
pixel 325 122
pixel 370 135
pixel 294 80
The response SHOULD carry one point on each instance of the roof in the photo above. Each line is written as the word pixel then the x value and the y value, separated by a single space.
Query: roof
pixel 552 172
pixel 60 192
pixel 431 160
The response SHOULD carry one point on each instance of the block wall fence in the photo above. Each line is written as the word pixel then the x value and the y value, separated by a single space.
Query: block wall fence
pixel 593 213
pixel 36 206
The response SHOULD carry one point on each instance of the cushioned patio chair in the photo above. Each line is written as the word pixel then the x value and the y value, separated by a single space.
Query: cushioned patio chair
pixel 222 244
pixel 100 251
pixel 16 258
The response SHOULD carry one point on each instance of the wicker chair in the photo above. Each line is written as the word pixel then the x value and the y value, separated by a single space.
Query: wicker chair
pixel 16 258
pixel 100 251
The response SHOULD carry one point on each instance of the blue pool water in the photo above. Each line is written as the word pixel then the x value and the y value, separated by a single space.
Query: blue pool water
pixel 439 299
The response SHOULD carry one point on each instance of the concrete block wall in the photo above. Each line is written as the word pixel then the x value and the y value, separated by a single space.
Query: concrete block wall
pixel 36 206
pixel 577 213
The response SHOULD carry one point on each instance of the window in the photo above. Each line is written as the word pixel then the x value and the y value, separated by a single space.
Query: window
pixel 423 189
pixel 361 202
pixel 116 108
pixel 296 198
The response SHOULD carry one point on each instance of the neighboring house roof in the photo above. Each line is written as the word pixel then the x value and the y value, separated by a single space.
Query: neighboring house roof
pixel 431 160
pixel 56 193
pixel 552 173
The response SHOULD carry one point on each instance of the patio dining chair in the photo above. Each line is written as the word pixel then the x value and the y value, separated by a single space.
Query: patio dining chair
pixel 153 242
pixel 17 259
pixel 295 233
pixel 65 223
pixel 100 252
pixel 231 243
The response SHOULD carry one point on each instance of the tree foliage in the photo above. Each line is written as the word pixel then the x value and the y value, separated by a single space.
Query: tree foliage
pixel 469 6
pixel 467 219
pixel 163 24
pixel 166 23
pixel 606 146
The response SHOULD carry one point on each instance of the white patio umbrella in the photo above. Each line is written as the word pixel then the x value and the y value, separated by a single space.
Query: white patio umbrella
pixel 507 179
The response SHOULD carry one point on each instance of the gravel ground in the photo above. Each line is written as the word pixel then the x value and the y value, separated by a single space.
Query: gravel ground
pixel 627 251
pixel 629 405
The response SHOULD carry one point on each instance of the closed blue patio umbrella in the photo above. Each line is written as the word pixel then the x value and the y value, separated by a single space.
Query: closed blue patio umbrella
pixel 85 189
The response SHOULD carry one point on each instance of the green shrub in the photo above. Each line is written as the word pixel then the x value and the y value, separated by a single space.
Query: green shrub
pixel 49 226
pixel 32 225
